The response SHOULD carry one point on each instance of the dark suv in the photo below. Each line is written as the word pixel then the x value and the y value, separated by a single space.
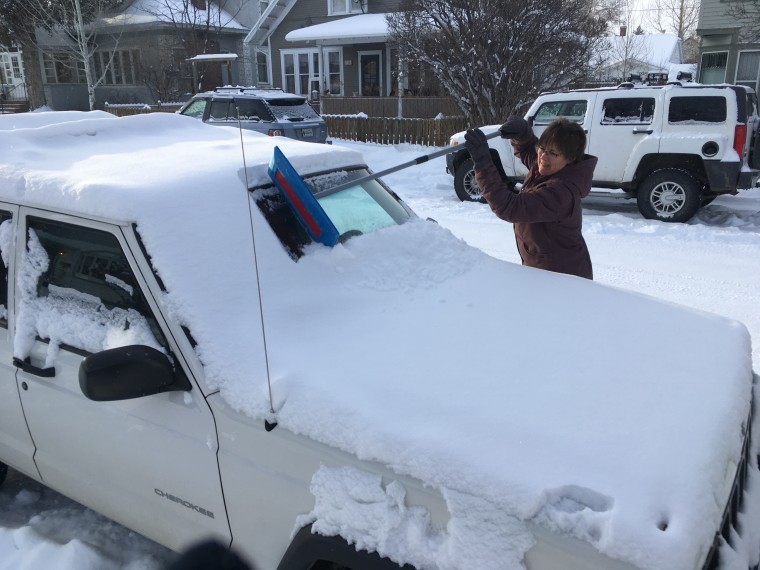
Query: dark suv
pixel 269 111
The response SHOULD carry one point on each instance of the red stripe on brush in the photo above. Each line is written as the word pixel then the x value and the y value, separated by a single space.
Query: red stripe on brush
pixel 299 205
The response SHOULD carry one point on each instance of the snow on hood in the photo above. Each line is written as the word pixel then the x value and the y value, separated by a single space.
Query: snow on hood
pixel 542 393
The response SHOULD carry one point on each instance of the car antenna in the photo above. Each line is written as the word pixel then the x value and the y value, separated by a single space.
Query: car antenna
pixel 268 425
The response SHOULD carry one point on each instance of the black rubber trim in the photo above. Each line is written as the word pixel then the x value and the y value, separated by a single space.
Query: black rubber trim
pixel 308 548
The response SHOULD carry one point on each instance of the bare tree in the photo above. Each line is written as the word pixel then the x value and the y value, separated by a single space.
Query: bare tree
pixel 77 21
pixel 676 16
pixel 747 13
pixel 196 26
pixel 621 55
pixel 17 27
pixel 494 56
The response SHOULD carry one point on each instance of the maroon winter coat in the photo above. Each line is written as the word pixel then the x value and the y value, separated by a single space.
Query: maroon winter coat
pixel 546 213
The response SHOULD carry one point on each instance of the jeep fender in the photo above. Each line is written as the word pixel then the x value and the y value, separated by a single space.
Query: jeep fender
pixel 308 549
pixel 690 163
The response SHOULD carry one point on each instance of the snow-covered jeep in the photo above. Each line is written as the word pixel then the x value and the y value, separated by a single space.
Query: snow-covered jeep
pixel 178 354
pixel 674 148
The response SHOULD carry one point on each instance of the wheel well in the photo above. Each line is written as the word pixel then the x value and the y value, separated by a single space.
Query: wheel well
pixel 311 551
pixel 690 163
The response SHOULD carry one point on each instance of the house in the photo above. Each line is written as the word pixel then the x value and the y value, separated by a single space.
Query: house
pixel 330 47
pixel 147 52
pixel 729 51
pixel 625 55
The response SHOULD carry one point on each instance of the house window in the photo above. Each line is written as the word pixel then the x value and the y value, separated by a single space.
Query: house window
pixel 62 67
pixel 262 67
pixel 300 70
pixel 333 72
pixel 116 67
pixel 335 7
pixel 713 68
pixel 748 69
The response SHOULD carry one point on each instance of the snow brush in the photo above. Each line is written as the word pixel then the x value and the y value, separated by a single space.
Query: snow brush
pixel 305 205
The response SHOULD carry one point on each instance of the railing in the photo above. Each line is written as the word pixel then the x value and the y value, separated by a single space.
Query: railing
pixel 125 109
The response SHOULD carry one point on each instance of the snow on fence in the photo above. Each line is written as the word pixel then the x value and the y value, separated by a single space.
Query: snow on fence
pixel 386 130
pixel 124 109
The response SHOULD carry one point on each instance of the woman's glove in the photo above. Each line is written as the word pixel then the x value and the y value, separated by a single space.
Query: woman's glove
pixel 477 145
pixel 516 128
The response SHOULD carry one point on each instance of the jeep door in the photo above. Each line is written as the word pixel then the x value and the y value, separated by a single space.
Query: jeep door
pixel 621 134
pixel 577 107
pixel 16 446
pixel 149 462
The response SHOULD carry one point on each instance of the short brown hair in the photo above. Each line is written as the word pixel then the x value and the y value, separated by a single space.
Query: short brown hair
pixel 567 137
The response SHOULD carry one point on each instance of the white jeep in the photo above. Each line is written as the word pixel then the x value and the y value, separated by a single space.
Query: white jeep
pixel 673 148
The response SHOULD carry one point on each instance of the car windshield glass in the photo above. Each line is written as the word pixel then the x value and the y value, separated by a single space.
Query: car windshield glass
pixel 366 207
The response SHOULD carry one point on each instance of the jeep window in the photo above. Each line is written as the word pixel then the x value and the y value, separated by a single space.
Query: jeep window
pixel 628 111
pixel 571 110
pixel 366 207
pixel 79 290
pixel 195 109
pixel 291 108
pixel 6 243
pixel 253 110
pixel 696 110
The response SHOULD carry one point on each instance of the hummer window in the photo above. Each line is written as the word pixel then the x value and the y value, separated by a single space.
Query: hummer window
pixel 697 110
pixel 628 111
pixel 571 110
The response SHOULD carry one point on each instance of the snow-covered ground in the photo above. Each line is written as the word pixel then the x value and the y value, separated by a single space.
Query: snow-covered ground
pixel 712 263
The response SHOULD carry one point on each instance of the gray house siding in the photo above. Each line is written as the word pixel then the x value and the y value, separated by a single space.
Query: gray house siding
pixel 722 53
pixel 307 13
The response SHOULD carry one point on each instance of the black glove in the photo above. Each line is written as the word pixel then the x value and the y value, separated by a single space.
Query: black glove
pixel 515 128
pixel 477 145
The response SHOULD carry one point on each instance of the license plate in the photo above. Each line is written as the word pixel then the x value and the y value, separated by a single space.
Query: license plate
pixel 307 132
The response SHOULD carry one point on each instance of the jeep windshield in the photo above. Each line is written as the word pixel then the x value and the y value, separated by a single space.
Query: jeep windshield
pixel 366 207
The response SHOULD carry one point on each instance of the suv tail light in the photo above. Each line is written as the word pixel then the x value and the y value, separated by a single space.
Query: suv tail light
pixel 740 136
pixel 281 133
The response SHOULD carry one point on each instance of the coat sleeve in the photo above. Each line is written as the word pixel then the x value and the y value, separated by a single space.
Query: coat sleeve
pixel 550 202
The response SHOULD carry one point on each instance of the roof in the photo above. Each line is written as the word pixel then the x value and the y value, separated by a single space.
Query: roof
pixel 658 51
pixel 364 28
pixel 144 13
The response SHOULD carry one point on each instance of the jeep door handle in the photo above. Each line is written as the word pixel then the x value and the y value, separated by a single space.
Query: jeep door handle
pixel 27 366
pixel 642 131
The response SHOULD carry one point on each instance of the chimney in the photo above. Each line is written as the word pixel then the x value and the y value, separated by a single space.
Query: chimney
pixel 623 30
pixel 199 4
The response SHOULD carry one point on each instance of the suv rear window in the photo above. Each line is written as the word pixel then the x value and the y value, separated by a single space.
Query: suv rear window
pixel 697 110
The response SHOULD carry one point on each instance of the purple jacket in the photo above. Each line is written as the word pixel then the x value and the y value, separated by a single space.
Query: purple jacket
pixel 546 214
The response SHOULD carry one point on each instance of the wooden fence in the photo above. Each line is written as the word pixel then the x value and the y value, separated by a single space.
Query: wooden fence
pixel 411 107
pixel 383 130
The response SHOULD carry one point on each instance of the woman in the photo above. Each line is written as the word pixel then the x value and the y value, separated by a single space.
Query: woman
pixel 546 213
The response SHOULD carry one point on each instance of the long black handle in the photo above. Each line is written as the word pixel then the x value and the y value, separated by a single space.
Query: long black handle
pixel 416 161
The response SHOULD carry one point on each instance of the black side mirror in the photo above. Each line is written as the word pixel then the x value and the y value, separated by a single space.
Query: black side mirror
pixel 129 372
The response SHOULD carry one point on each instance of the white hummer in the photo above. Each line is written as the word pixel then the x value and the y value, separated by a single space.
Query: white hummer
pixel 673 148
pixel 178 353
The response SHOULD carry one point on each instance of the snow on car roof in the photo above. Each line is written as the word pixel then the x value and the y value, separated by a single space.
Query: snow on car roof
pixel 585 409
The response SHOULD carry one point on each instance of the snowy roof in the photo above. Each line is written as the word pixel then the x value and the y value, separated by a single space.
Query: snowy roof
pixel 656 50
pixel 363 28
pixel 149 12
pixel 545 399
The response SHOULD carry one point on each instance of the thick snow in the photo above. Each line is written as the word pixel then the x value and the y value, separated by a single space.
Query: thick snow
pixel 491 377
pixel 365 26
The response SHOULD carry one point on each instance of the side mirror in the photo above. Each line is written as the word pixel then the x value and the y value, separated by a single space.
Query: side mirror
pixel 129 372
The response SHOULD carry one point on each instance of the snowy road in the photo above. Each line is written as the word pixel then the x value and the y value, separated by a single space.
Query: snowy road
pixel 711 264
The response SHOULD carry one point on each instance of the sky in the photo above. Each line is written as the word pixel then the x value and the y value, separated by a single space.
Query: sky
pixel 454 290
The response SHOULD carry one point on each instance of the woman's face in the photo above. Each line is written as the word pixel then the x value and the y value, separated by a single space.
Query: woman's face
pixel 550 160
